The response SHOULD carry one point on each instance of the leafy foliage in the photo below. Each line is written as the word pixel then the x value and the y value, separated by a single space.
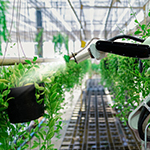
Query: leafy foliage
pixel 39 41
pixel 3 26
pixel 58 41
pixel 57 80
pixel 142 29
pixel 123 77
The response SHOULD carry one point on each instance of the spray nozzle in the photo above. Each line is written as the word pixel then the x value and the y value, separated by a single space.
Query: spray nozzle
pixel 82 56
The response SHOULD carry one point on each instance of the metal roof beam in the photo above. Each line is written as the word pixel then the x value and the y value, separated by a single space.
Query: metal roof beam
pixel 131 18
pixel 60 23
pixel 82 29
pixel 87 7
pixel 107 19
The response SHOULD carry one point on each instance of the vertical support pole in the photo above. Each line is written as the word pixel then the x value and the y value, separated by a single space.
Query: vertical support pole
pixel 143 142
pixel 144 7
pixel 39 35
pixel 143 146
pixel 74 46
pixel 80 21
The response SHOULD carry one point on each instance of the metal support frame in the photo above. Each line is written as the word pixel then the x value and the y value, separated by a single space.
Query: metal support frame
pixel 107 19
pixel 52 18
pixel 82 29
pixel 39 48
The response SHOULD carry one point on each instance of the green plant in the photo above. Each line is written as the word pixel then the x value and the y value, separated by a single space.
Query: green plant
pixel 57 80
pixel 123 77
pixel 19 75
pixel 39 41
pixel 3 26
pixel 142 29
pixel 59 39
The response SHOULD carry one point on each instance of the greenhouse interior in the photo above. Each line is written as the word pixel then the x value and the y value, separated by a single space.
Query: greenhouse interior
pixel 75 74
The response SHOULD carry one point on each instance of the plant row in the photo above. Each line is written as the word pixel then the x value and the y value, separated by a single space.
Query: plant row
pixel 127 79
pixel 50 82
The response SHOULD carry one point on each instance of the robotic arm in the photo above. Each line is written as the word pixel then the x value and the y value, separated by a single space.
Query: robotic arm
pixel 100 48
pixel 138 119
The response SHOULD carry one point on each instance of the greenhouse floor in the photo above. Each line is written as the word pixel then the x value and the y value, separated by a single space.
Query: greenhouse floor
pixel 93 125
pixel 89 123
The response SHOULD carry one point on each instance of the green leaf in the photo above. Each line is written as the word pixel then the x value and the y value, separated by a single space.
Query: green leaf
pixel 2 108
pixel 28 62
pixel 50 135
pixel 5 104
pixel 5 93
pixel 54 87
pixel 37 136
pixel 51 123
pixel 67 58
pixel 37 96
pixel 43 132
pixel 3 86
pixel 10 98
pixel 53 96
pixel 47 80
pixel 20 66
pixel 143 27
pixel 41 88
pixel 25 146
pixel 136 21
pixel 41 135
pixel 35 144
pixel 60 122
pixel 34 59
pixel 149 13
pixel 50 146
pixel 54 105
pixel 137 32
pixel 43 147
pixel 40 101
pixel 44 143
pixel 146 83
pixel 4 81
pixel 36 66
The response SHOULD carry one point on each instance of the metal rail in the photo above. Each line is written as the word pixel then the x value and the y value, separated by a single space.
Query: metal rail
pixel 93 125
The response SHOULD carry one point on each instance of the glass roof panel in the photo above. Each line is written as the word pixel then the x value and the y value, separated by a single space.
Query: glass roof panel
pixel 102 18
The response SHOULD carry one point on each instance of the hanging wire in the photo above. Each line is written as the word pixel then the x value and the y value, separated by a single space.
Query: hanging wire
pixel 17 26
pixel 18 30
pixel 19 33
pixel 29 21
pixel 9 33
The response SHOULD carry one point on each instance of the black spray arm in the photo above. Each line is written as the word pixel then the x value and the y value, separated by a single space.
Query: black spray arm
pixel 101 47
pixel 124 49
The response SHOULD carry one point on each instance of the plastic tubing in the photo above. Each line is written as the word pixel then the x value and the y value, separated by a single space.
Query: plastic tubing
pixel 32 134
pixel 127 37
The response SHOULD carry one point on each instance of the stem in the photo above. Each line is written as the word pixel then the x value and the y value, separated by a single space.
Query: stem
pixel 7 141
pixel 30 144
pixel 135 74
pixel 39 141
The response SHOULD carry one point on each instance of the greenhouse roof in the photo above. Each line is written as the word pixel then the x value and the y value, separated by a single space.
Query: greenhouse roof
pixel 80 19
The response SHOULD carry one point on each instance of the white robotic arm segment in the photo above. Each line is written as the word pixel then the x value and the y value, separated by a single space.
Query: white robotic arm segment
pixel 136 123
pixel 147 41
pixel 97 54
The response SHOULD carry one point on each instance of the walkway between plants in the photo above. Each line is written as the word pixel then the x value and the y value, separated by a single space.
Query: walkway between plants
pixel 93 125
